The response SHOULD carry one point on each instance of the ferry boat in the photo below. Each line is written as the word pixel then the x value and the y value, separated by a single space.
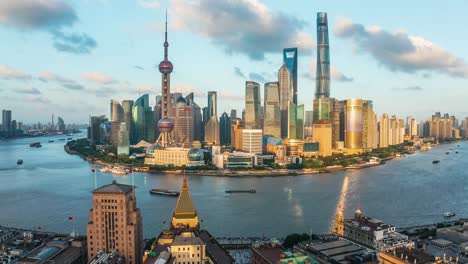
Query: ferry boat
pixel 69 138
pixel 449 214
pixel 19 162
pixel 61 139
pixel 164 192
pixel 435 161
pixel 447 153
pixel 241 191
pixel 50 141
pixel 35 145
pixel 456 152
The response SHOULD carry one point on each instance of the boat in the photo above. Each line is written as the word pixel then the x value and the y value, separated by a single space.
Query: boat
pixel 69 135
pixel 449 214
pixel 19 162
pixel 456 152
pixel 50 141
pixel 69 138
pixel 35 145
pixel 435 161
pixel 61 139
pixel 241 191
pixel 164 192
pixel 447 152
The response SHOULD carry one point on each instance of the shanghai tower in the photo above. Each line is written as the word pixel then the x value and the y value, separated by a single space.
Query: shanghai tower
pixel 322 83
pixel 323 104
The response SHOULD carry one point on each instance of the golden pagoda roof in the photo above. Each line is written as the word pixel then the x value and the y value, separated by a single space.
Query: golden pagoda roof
pixel 185 207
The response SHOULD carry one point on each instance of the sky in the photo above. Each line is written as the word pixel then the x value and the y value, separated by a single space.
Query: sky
pixel 71 57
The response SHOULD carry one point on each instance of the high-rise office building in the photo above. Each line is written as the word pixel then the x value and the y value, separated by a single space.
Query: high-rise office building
pixel 292 121
pixel 252 141
pixel 165 124
pixel 115 223
pixel 236 134
pixel 384 130
pixel 233 115
pixel 127 106
pixel 300 121
pixel 212 125
pixel 338 122
pixel 308 122
pixel 60 124
pixel 94 129
pixel 272 113
pixel 196 117
pixel 322 83
pixel 353 124
pixel 6 122
pixel 284 86
pixel 117 112
pixel 142 118
pixel 225 129
pixel 123 141
pixel 183 123
pixel 252 105
pixel 369 126
pixel 290 60
pixel 322 133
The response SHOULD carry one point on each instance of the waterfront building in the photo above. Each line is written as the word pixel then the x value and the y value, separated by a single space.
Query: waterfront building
pixel 273 253
pixel 272 113
pixel 115 223
pixel 384 129
pixel 322 133
pixel 353 124
pixel 252 105
pixel 6 122
pixel 117 112
pixel 185 241
pixel 242 160
pixel 142 118
pixel 156 155
pixel 236 134
pixel 338 123
pixel 252 141
pixel 123 145
pixel 294 147
pixel 94 129
pixel 369 126
pixel 369 232
pixel 212 125
pixel 127 106
pixel 225 130
pixel 464 128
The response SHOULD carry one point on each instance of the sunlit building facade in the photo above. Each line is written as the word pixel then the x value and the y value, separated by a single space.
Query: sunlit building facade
pixel 117 112
pixel 284 86
pixel 252 105
pixel 272 116
pixel 236 134
pixel 322 133
pixel 353 124
pixel 252 141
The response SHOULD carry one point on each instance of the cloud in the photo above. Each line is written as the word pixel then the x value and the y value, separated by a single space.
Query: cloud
pixel 409 88
pixel 65 82
pixel 335 74
pixel 229 94
pixel 149 4
pixel 74 42
pixel 37 99
pixel 27 90
pixel 400 52
pixel 97 77
pixel 241 27
pixel 50 16
pixel 9 73
pixel 256 77
pixel 239 72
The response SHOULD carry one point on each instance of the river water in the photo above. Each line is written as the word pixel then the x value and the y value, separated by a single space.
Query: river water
pixel 51 186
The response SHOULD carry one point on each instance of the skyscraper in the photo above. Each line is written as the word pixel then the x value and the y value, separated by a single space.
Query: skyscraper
pixel 183 123
pixel 236 134
pixel 127 106
pixel 115 223
pixel 353 124
pixel 117 112
pixel 322 83
pixel 284 86
pixel 95 128
pixel 300 121
pixel 197 121
pixel 252 105
pixel 142 117
pixel 6 122
pixel 233 115
pixel 225 129
pixel 292 121
pixel 369 126
pixel 272 113
pixel 123 142
pixel 384 128
pixel 290 60
pixel 165 124
pixel 212 125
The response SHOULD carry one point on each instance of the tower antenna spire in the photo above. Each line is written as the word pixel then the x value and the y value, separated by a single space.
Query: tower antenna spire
pixel 166 44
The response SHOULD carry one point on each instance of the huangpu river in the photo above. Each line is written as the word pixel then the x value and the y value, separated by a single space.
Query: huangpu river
pixel 51 186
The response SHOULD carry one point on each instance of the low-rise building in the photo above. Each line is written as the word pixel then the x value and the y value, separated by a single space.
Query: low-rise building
pixel 156 155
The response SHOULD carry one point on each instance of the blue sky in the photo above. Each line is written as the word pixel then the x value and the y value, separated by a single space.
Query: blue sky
pixel 70 58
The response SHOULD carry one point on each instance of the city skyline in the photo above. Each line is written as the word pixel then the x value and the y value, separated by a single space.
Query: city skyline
pixel 77 79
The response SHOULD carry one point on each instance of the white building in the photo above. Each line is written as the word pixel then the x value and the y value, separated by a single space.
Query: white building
pixel 252 141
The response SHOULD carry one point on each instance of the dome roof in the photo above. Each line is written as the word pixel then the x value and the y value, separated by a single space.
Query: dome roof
pixel 195 154
pixel 165 66
pixel 181 100
pixel 358 212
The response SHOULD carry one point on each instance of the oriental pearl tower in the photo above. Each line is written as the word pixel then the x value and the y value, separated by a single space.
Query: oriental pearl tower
pixel 165 125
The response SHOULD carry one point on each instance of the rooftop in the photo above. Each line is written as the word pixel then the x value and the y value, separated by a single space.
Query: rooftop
pixel 114 187
pixel 187 238
pixel 185 207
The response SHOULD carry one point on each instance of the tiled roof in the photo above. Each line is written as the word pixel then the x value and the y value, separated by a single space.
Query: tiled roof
pixel 114 187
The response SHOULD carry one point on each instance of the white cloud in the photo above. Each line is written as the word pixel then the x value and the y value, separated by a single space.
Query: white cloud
pixel 27 90
pixel 97 77
pixel 149 4
pixel 9 73
pixel 335 74
pixel 399 51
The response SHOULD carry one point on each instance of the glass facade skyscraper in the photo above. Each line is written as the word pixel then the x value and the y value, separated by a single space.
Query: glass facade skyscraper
pixel 272 113
pixel 142 117
pixel 322 83
pixel 252 105
pixel 290 60
pixel 300 121
pixel 284 85
pixel 225 129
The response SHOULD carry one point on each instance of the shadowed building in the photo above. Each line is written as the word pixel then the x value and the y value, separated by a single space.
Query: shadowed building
pixel 225 129
pixel 117 112
pixel 115 223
